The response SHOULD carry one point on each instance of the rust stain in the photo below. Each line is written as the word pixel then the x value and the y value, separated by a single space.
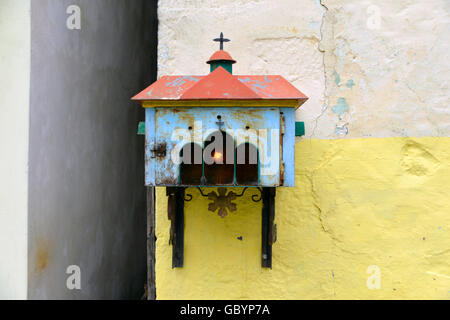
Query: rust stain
pixel 167 180
pixel 187 118
pixel 282 173
pixel 42 256
pixel 159 150
pixel 166 176
pixel 254 113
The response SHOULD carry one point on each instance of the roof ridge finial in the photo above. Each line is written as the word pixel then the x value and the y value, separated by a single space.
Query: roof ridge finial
pixel 221 40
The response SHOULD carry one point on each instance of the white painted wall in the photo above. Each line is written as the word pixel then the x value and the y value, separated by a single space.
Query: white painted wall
pixel 371 68
pixel 14 122
pixel 71 163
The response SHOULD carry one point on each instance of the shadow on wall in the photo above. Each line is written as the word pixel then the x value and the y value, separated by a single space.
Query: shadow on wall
pixel 86 162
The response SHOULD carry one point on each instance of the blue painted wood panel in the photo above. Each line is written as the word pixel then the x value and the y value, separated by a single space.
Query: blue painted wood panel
pixel 170 126
pixel 149 142
pixel 289 147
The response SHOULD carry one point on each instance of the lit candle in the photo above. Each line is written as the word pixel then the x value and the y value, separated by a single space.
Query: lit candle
pixel 217 156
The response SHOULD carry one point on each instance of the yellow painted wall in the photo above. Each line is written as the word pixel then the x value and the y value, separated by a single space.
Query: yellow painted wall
pixel 357 203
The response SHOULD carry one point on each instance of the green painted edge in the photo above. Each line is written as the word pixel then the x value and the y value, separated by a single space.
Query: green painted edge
pixel 299 129
pixel 224 64
pixel 141 129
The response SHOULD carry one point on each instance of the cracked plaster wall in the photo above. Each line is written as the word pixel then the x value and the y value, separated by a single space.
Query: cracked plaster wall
pixel 384 206
pixel 379 198
pixel 363 80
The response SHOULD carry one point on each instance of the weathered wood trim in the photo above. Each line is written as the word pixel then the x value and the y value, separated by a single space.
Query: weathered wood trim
pixel 175 211
pixel 268 231
pixel 151 244
pixel 223 103
pixel 178 248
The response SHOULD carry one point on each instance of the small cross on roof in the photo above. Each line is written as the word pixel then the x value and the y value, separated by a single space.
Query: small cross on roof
pixel 221 40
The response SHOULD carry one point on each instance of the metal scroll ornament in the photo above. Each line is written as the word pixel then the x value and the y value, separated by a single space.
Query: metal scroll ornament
pixel 222 201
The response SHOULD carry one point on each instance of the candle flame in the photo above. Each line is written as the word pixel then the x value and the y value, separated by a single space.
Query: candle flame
pixel 218 155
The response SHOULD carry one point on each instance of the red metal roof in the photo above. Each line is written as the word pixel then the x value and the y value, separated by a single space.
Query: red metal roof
pixel 221 55
pixel 168 88
pixel 221 85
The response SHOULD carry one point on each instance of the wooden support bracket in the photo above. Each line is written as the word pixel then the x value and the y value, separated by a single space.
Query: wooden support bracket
pixel 151 239
pixel 175 211
pixel 269 230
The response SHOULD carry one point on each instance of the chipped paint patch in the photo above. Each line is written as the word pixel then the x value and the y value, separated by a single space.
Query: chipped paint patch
pixel 341 130
pixel 266 79
pixel 169 121
pixel 255 83
pixel 179 81
pixel 350 84
pixel 341 107
pixel 314 25
pixel 337 78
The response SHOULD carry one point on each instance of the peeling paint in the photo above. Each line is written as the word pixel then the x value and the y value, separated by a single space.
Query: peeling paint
pixel 341 107
pixel 337 78
pixel 179 81
pixel 341 130
pixel 314 25
pixel 354 197
pixel 168 120
pixel 350 84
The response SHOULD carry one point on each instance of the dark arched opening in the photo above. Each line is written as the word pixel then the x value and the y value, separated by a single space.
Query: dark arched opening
pixel 191 167
pixel 247 165
pixel 219 159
